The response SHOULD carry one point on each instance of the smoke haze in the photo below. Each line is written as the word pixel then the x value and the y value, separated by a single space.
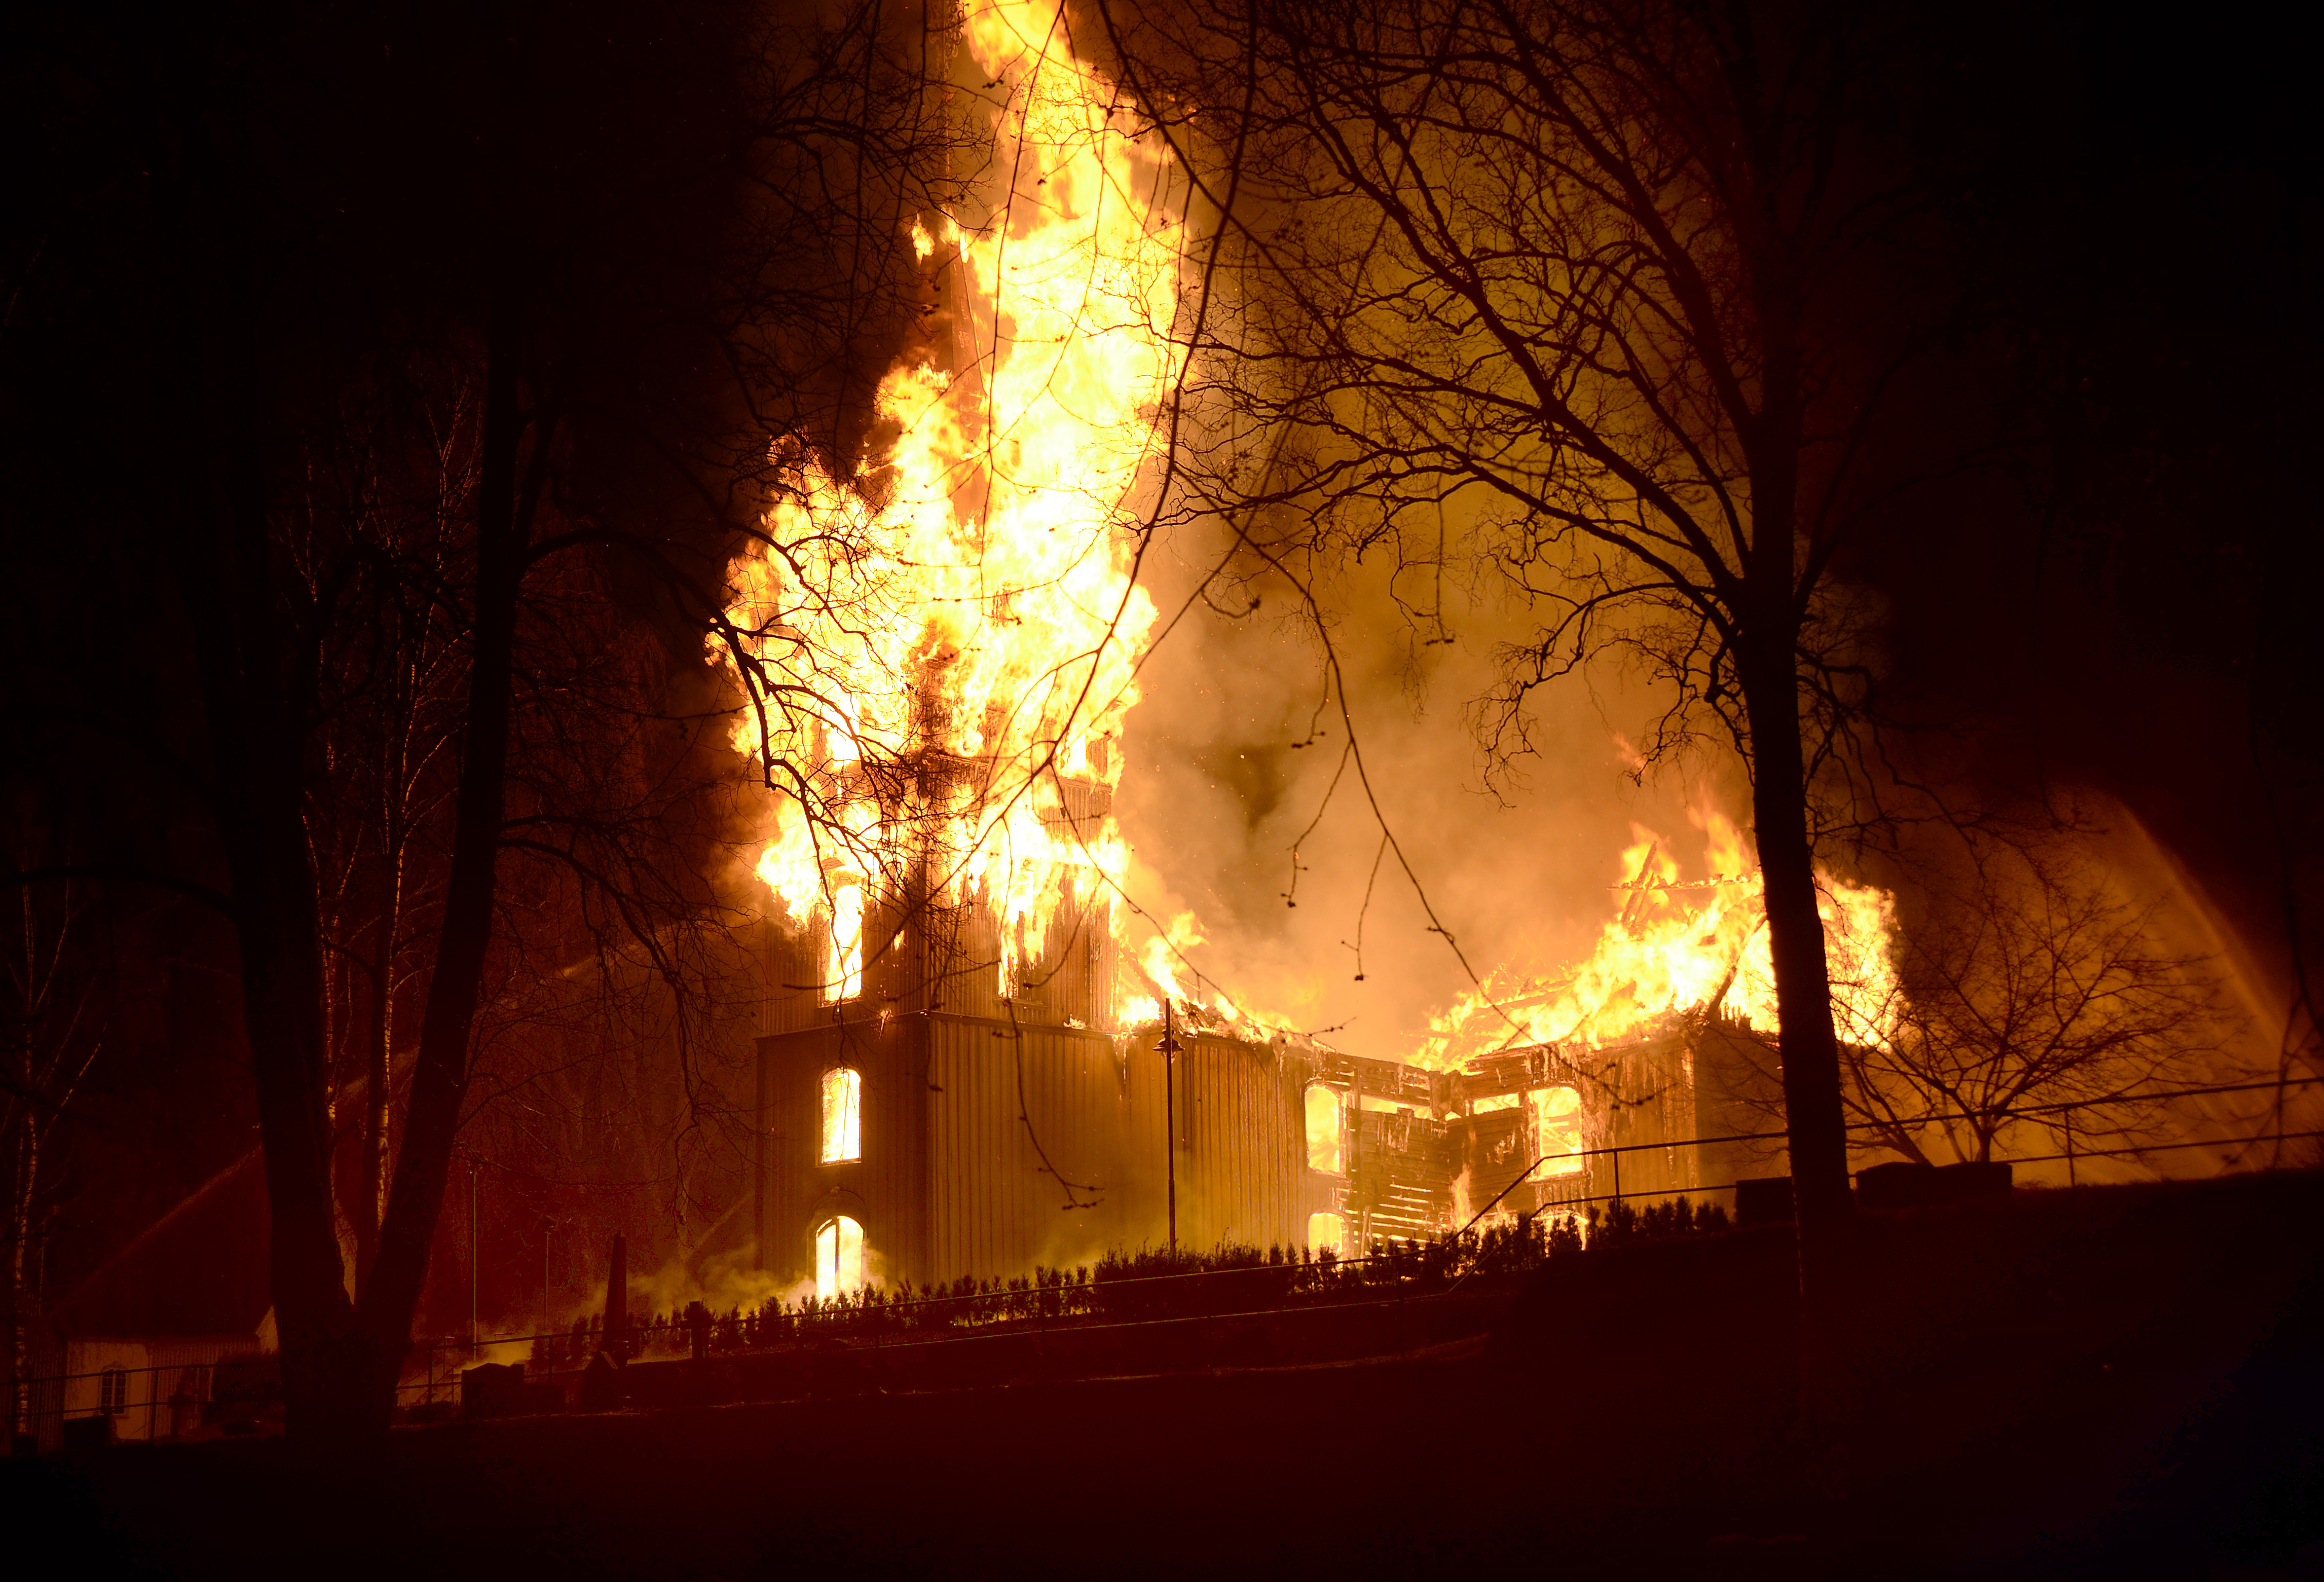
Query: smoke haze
pixel 1217 790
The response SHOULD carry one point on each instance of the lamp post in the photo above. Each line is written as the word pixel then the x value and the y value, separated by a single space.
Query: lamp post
pixel 1168 1048
pixel 475 1228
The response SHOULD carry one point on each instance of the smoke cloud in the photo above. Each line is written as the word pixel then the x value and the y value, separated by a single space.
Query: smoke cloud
pixel 1223 781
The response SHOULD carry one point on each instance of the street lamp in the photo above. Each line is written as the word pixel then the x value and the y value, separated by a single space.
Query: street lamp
pixel 1168 1049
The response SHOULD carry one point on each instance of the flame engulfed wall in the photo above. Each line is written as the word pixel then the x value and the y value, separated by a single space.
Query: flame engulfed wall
pixel 948 644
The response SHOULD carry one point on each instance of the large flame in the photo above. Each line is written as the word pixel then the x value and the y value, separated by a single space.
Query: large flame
pixel 945 643
pixel 948 644
pixel 1675 946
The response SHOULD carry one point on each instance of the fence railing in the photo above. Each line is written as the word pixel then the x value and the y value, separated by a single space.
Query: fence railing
pixel 878 1316
pixel 144 1409
pixel 1111 1302
pixel 1059 1301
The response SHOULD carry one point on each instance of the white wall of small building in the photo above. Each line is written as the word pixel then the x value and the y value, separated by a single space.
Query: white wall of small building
pixel 155 1369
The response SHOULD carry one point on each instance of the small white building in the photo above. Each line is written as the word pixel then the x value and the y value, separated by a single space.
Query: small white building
pixel 140 1341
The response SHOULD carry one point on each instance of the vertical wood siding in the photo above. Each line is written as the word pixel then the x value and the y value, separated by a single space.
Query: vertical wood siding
pixel 994 1206
pixel 883 1190
pixel 959 1111
pixel 1243 1145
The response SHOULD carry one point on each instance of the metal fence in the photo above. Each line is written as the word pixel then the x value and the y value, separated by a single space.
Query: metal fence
pixel 1392 1273
pixel 2058 1116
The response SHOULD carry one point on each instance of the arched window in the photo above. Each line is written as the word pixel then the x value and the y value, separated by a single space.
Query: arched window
pixel 113 1391
pixel 1325 1230
pixel 842 1114
pixel 838 1257
pixel 1323 1129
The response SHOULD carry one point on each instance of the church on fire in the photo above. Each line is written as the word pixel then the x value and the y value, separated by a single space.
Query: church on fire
pixel 933 1123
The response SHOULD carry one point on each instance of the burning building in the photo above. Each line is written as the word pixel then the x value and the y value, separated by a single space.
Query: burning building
pixel 935 1127
pixel 958 1071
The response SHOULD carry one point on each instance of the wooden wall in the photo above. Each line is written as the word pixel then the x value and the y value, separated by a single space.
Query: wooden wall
pixel 885 1189
pixel 992 1145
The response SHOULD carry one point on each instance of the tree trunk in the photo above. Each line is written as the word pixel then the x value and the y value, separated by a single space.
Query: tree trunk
pixel 1816 1127
pixel 378 1114
pixel 370 1195
pixel 1767 666
pixel 440 1081
pixel 257 735
pixel 27 1176
pixel 279 949
pixel 281 980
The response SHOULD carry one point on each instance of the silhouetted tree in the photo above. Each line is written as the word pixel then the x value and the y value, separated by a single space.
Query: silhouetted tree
pixel 1610 299
pixel 2028 983
pixel 477 335
pixel 53 1024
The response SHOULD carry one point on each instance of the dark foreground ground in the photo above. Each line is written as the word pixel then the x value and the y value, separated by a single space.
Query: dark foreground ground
pixel 2118 1382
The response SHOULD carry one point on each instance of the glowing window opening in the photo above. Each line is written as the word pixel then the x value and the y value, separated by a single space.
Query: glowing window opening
pixel 1323 1129
pixel 838 1257
pixel 842 1116
pixel 1557 1132
pixel 113 1391
pixel 845 972
pixel 1326 1230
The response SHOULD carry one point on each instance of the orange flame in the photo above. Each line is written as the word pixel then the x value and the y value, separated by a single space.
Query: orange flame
pixel 1674 946
pixel 949 645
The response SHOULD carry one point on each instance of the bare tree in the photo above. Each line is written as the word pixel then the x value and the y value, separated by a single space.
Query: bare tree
pixel 1608 300
pixel 570 800
pixel 2030 984
pixel 370 534
pixel 481 358
pixel 52 1028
